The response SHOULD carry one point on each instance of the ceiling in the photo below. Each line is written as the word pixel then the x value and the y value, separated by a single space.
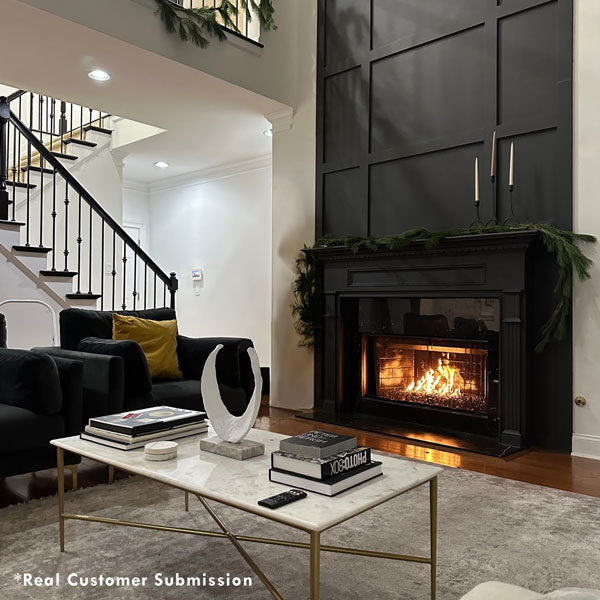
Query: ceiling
pixel 208 122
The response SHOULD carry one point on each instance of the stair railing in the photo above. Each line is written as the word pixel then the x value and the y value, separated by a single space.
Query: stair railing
pixel 62 181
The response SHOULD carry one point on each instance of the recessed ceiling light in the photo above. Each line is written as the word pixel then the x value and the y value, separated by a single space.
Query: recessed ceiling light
pixel 161 164
pixel 99 75
pixel 268 132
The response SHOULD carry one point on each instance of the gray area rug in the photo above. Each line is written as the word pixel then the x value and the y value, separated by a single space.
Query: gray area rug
pixel 489 528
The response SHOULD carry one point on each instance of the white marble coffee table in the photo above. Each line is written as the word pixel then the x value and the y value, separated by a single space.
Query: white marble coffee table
pixel 241 484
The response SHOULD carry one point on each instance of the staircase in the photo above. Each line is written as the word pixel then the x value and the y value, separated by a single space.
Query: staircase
pixel 51 227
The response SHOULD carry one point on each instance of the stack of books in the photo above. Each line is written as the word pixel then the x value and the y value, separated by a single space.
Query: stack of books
pixel 134 429
pixel 322 462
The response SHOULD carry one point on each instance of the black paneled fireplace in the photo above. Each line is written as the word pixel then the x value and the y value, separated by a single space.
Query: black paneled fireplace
pixel 435 345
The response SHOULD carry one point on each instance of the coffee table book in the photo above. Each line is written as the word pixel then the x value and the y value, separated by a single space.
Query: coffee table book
pixel 139 443
pixel 333 485
pixel 147 420
pixel 321 468
pixel 317 444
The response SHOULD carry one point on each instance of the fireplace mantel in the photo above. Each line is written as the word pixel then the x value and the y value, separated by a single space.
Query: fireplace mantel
pixel 510 266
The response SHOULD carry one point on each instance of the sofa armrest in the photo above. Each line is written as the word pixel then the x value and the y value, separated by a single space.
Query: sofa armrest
pixel 71 385
pixel 29 380
pixel 233 362
pixel 102 381
pixel 137 380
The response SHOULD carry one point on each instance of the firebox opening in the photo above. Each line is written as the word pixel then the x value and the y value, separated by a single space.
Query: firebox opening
pixel 439 373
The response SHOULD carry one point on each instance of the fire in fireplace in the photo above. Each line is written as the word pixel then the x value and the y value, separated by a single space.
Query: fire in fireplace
pixel 445 374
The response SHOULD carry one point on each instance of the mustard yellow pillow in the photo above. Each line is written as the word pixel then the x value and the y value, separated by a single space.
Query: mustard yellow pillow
pixel 158 340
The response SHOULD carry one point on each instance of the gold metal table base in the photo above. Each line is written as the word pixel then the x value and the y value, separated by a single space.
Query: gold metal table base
pixel 314 545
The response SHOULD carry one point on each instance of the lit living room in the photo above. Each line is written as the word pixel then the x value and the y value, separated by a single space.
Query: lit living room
pixel 298 299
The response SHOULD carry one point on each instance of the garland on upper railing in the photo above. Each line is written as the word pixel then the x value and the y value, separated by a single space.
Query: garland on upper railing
pixel 307 307
pixel 198 24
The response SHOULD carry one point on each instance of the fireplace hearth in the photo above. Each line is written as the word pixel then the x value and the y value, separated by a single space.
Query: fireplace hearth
pixel 438 345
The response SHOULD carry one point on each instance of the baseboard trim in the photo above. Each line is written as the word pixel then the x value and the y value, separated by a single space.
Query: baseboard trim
pixel 586 446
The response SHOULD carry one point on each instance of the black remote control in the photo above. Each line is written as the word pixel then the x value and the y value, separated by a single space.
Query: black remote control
pixel 281 499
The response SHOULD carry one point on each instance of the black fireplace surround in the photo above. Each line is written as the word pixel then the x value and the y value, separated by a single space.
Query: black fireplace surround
pixel 438 344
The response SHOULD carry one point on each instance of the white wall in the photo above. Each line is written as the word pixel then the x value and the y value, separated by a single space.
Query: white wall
pixel 586 425
pixel 292 378
pixel 136 210
pixel 223 227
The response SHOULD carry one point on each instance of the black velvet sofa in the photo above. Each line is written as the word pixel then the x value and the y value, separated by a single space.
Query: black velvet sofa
pixel 115 374
pixel 40 400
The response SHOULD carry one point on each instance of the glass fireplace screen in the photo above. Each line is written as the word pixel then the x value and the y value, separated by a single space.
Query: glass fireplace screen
pixel 438 374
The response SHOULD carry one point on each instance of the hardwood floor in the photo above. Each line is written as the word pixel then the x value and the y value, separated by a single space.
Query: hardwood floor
pixel 552 469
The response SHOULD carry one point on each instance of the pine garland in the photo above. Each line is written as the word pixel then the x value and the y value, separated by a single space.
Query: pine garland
pixel 197 25
pixel 307 307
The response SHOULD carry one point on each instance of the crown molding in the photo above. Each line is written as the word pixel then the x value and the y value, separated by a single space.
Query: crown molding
pixel 204 176
pixel 281 120
pixel 136 186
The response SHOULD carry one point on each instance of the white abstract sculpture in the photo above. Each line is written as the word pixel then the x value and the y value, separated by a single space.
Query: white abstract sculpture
pixel 227 426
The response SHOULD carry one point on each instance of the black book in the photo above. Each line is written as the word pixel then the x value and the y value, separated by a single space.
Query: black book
pixel 331 486
pixel 317 444
pixel 147 420
pixel 321 468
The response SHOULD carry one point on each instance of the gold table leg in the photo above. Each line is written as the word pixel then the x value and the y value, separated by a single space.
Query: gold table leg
pixel 60 464
pixel 73 469
pixel 433 493
pixel 315 564
pixel 233 539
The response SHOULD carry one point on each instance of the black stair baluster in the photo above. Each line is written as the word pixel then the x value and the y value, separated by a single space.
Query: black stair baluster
pixel 47 102
pixel 90 252
pixel 27 228
pixel 14 167
pixel 52 116
pixel 155 289
pixel 134 280
pixel 114 264
pixel 71 119
pixel 91 116
pixel 145 284
pixel 41 200
pixel 81 122
pixel 124 305
pixel 237 14
pixel 79 247
pixel 53 221
pixel 67 202
pixel 31 98
pixel 63 125
pixel 164 294
pixel 102 271
pixel 40 116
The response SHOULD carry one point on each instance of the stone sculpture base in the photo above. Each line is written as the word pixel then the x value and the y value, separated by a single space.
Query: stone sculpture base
pixel 240 451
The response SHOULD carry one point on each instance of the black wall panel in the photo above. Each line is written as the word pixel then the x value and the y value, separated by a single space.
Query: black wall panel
pixel 410 91
pixel 406 89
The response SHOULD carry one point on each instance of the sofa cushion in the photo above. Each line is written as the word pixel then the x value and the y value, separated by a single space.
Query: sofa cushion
pixel 21 429
pixel 78 323
pixel 29 380
pixel 137 379
pixel 158 340
pixel 187 394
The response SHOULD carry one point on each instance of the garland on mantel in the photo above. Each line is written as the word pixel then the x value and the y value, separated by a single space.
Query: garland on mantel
pixel 198 24
pixel 307 307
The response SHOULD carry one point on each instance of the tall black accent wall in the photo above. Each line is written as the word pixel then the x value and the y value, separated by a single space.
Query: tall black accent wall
pixel 410 92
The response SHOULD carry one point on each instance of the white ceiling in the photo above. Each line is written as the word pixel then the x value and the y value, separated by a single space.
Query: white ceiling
pixel 208 122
